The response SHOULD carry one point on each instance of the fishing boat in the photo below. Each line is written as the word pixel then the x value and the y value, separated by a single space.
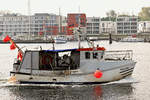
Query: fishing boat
pixel 92 65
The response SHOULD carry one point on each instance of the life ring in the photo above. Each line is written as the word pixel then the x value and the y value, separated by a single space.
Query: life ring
pixel 46 60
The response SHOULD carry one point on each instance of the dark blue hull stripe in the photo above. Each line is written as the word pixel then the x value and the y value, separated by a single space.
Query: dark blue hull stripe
pixel 64 83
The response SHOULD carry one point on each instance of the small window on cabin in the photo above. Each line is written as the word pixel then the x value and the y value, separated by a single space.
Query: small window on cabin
pixel 87 55
pixel 95 55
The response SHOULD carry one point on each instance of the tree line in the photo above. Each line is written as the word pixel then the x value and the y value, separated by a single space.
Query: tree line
pixel 143 15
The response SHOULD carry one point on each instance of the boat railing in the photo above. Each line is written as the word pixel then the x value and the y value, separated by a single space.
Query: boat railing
pixel 118 55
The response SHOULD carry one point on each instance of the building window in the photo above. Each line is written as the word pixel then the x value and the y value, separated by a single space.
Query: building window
pixel 87 55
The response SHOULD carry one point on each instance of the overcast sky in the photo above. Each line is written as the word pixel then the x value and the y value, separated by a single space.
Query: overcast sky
pixel 97 8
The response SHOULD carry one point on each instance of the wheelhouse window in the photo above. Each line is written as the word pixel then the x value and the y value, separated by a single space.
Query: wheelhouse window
pixel 87 55
pixel 53 60
pixel 95 55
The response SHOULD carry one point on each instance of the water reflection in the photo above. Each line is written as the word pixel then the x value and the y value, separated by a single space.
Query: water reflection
pixel 97 90
pixel 78 92
pixel 118 91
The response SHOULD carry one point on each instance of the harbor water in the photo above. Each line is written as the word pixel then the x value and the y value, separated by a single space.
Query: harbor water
pixel 135 87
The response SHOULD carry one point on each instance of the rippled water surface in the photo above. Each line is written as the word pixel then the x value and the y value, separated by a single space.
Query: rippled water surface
pixel 136 87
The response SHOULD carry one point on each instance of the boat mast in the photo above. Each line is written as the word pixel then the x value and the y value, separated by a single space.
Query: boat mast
pixel 60 22
pixel 44 29
pixel 29 13
pixel 29 37
pixel 79 29
pixel 79 35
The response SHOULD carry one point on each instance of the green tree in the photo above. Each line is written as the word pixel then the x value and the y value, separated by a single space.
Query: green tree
pixel 111 13
pixel 144 15
pixel 111 16
pixel 123 15
pixel 108 19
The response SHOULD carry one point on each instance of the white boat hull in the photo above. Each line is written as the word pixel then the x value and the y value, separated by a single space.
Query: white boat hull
pixel 60 42
pixel 76 78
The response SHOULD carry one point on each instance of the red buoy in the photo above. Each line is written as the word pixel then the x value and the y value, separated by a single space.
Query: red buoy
pixel 98 74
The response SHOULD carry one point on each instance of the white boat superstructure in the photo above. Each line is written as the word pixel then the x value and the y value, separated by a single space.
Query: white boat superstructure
pixel 60 39
pixel 132 39
pixel 72 66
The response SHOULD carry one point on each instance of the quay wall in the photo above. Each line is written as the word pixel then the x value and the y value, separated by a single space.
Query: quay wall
pixel 117 37
pixel 106 36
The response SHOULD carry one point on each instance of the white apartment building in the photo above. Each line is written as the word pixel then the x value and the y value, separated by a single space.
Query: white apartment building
pixel 108 27
pixel 20 24
pixel 143 26
pixel 93 25
pixel 62 24
pixel 127 25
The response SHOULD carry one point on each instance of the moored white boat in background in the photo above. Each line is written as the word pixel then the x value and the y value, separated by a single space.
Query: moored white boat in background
pixel 132 39
pixel 60 39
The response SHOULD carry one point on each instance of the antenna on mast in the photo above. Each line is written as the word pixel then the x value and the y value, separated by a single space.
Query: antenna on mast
pixel 79 9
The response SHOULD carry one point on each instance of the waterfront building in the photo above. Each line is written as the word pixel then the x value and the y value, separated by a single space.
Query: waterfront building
pixel 44 22
pixel 144 27
pixel 93 25
pixel 14 24
pixel 127 25
pixel 108 27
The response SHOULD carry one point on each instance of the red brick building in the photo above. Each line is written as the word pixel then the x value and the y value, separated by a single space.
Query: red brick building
pixel 73 21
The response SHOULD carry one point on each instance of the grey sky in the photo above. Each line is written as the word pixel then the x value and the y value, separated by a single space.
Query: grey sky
pixel 96 8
